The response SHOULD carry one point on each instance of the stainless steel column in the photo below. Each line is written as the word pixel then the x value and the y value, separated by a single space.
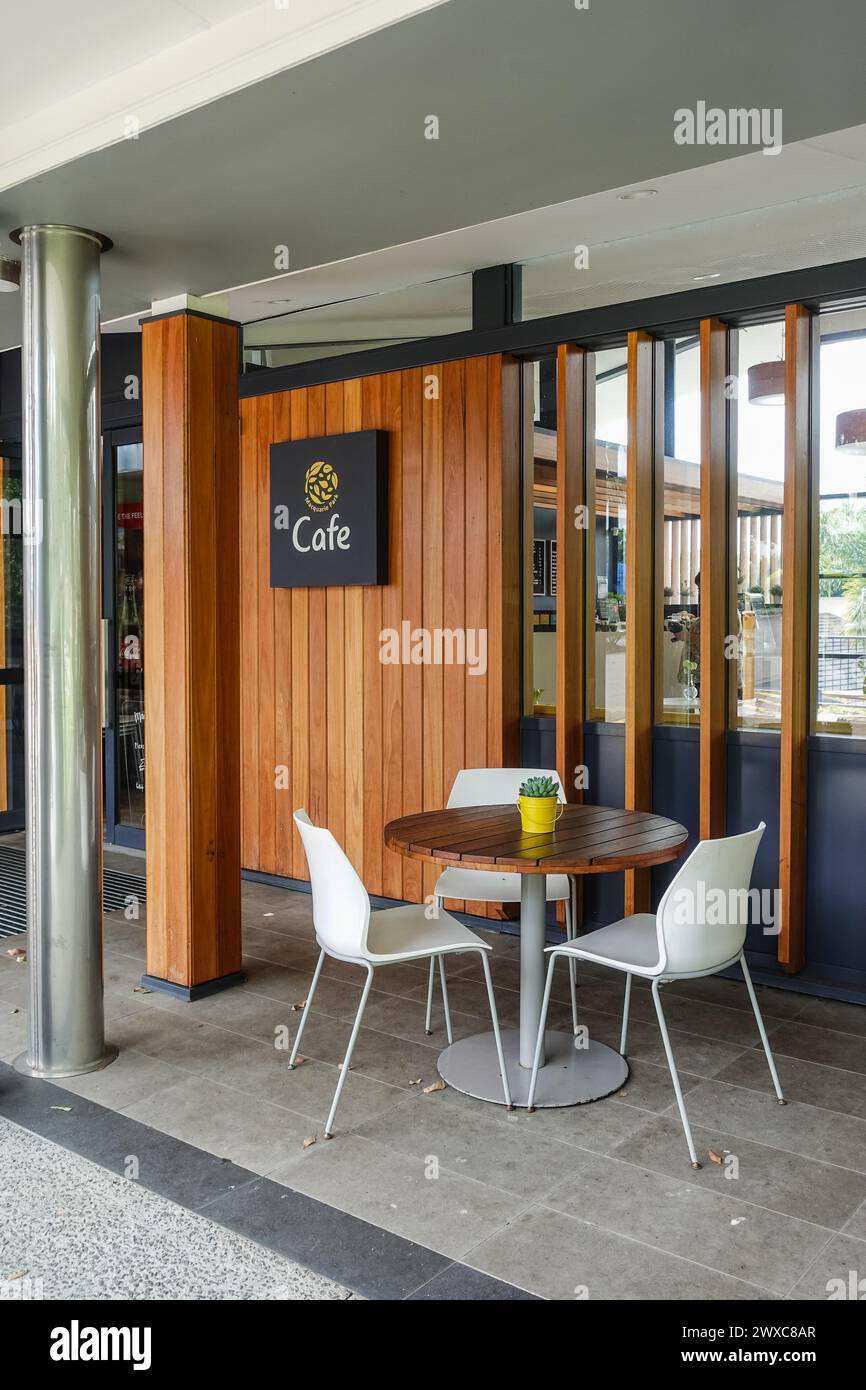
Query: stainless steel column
pixel 60 363
pixel 533 908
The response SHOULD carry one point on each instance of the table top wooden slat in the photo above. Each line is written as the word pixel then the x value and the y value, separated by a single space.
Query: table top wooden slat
pixel 586 839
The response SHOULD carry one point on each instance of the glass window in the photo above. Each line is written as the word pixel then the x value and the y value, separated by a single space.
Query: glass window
pixel 758 439
pixel 543 566
pixel 355 325
pixel 129 649
pixel 841 557
pixel 606 488
pixel 678 673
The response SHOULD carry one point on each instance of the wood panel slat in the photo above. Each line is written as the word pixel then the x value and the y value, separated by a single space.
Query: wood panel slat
pixel 264 428
pixel 796 624
pixel 715 580
pixel 371 415
pixel 300 682
pixel 283 828
pixel 433 594
pixel 570 564
pixel 392 615
pixel 317 654
pixel 411 548
pixel 353 619
pixel 335 657
pixel 639 588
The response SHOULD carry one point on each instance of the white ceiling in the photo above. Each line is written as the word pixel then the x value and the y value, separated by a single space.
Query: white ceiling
pixel 105 39
pixel 733 221
pixel 84 67
pixel 329 157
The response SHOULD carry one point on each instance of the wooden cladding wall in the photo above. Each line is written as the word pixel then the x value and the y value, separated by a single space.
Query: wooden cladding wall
pixel 324 723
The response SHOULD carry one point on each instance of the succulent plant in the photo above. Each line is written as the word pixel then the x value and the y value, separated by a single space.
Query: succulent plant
pixel 539 786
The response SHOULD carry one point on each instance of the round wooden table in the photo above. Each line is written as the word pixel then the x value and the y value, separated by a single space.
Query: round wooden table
pixel 585 840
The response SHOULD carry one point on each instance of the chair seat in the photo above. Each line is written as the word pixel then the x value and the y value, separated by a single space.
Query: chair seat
pixel 485 886
pixel 406 933
pixel 631 944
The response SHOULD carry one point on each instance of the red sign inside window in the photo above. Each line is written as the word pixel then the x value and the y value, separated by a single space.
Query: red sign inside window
pixel 130 516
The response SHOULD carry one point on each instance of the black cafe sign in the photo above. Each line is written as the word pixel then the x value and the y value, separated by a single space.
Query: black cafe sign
pixel 329 511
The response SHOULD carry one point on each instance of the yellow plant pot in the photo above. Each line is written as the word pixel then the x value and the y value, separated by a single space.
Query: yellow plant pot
pixel 539 814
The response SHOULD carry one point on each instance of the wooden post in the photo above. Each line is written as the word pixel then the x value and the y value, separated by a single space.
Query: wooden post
pixel 571 521
pixel 639 597
pixel 714 612
pixel 796 625
pixel 191 641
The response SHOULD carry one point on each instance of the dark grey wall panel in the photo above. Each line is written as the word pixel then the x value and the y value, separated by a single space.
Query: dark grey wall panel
pixel 604 751
pixel 836 857
pixel 676 791
pixel 538 741
pixel 753 796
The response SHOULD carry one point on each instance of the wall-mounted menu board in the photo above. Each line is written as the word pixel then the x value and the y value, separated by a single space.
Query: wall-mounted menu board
pixel 539 568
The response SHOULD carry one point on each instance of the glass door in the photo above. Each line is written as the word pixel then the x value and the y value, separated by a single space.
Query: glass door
pixel 11 641
pixel 123 580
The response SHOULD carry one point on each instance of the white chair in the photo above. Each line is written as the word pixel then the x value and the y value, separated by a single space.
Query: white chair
pixel 496 786
pixel 347 930
pixel 679 943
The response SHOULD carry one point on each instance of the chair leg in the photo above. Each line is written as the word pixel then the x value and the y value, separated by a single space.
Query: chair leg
pixel 626 1002
pixel 572 963
pixel 428 1024
pixel 429 1019
pixel 763 1032
pixel 496 1034
pixel 674 1076
pixel 329 1124
pixel 303 1023
pixel 539 1042
pixel 445 999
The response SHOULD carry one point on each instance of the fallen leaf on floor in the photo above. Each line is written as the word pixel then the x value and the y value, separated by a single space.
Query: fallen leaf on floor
pixel 737 1220
pixel 67 1108
pixel 299 1061
pixel 14 1011
pixel 416 1082
pixel 340 1067
pixel 714 1157
pixel 434 1086
pixel 296 1007
pixel 141 989
pixel 16 951
pixel 311 1139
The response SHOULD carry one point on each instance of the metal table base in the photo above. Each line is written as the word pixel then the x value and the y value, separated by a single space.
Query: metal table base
pixel 570 1076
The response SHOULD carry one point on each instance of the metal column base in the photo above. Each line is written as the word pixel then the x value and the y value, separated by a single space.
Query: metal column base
pixel 570 1075
pixel 22 1064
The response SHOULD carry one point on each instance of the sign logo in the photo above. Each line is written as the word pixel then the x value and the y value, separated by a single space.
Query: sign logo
pixel 329 511
pixel 320 486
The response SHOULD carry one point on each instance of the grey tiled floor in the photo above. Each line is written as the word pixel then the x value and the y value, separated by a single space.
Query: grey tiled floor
pixel 598 1198
pixel 71 1230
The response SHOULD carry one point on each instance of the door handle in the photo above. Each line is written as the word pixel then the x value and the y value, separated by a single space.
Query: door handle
pixel 106 672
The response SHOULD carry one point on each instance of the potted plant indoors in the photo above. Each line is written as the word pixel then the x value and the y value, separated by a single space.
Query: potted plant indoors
pixel 539 805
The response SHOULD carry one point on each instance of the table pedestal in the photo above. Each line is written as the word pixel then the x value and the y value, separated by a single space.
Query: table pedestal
pixel 569 1075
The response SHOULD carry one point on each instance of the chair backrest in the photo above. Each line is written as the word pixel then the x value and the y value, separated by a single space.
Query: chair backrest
pixel 494 786
pixel 703 915
pixel 341 907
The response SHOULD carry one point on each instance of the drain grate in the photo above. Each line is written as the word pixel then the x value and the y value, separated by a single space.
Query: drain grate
pixel 116 887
